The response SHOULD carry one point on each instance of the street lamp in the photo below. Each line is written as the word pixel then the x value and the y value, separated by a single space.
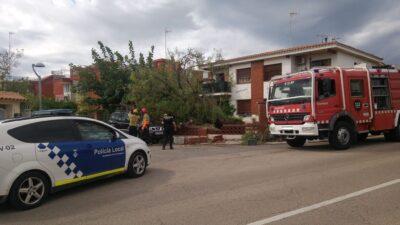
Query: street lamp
pixel 39 65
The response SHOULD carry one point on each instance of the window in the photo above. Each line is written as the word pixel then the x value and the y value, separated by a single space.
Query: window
pixel 220 77
pixel 321 62
pixel 119 117
pixel 243 107
pixel 67 88
pixel 243 76
pixel 357 88
pixel 124 117
pixel 115 116
pixel 326 88
pixel 272 70
pixel 47 131
pixel 291 89
pixel 94 131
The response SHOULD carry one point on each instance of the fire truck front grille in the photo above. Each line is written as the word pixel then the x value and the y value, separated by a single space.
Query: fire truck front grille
pixel 287 117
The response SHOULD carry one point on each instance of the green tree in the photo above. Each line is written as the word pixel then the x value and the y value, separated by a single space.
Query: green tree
pixel 21 85
pixel 49 103
pixel 176 88
pixel 8 61
pixel 110 85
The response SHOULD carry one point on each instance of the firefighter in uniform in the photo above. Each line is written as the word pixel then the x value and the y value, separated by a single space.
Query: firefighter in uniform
pixel 133 116
pixel 144 126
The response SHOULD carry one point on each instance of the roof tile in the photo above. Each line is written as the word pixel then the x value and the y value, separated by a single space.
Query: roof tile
pixel 295 49
pixel 8 95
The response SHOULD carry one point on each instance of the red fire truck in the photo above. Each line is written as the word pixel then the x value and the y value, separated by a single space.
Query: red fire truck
pixel 338 104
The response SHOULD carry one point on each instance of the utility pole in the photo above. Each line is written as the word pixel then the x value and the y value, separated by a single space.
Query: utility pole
pixel 40 65
pixel 166 31
pixel 9 54
pixel 292 14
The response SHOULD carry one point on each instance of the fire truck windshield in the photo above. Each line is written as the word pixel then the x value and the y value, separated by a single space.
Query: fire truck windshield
pixel 294 89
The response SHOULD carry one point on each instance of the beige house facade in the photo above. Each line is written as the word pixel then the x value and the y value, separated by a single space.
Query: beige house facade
pixel 10 104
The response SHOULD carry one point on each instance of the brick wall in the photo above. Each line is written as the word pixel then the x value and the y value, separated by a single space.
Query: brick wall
pixel 201 131
pixel 52 87
pixel 47 88
pixel 257 86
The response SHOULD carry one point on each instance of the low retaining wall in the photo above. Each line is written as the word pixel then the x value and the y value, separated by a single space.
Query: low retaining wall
pixel 203 131
pixel 229 133
pixel 210 138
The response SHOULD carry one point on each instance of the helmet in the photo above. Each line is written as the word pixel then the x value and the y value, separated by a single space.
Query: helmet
pixel 144 110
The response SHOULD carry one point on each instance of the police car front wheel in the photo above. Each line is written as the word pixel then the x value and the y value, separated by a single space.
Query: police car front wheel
pixel 137 165
pixel 29 190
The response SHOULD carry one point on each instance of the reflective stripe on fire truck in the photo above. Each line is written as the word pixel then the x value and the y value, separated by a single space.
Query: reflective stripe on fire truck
pixel 286 110
pixel 371 114
pixel 358 121
pixel 342 84
pixel 396 118
pixel 312 94
pixel 385 111
pixel 363 121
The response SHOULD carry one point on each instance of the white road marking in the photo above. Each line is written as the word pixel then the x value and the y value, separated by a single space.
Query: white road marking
pixel 324 203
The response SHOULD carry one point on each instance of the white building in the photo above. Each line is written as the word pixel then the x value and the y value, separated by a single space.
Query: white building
pixel 249 75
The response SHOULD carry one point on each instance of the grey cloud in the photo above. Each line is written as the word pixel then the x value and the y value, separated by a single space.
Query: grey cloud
pixel 65 33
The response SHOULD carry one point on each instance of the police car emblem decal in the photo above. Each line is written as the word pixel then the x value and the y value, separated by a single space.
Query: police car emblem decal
pixel 62 160
pixel 41 148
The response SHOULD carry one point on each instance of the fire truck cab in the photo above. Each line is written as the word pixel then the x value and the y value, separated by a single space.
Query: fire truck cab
pixel 343 105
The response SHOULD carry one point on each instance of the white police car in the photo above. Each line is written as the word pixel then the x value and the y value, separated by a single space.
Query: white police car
pixel 41 155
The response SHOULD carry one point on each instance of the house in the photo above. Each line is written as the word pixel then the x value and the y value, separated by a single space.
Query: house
pixel 10 104
pixel 244 80
pixel 57 87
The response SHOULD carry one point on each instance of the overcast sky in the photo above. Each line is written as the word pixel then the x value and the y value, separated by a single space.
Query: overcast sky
pixel 58 32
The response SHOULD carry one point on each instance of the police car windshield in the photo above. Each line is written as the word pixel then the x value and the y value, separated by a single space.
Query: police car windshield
pixel 291 89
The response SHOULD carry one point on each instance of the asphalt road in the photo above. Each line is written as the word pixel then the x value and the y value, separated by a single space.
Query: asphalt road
pixel 236 185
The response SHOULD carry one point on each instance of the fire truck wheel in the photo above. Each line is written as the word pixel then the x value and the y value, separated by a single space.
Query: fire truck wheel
pixel 389 136
pixel 341 136
pixel 296 142
pixel 393 135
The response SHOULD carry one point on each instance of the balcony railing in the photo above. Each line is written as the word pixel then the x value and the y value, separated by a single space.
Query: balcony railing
pixel 215 87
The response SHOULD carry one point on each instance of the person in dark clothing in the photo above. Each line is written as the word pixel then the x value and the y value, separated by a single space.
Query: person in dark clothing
pixel 218 124
pixel 169 127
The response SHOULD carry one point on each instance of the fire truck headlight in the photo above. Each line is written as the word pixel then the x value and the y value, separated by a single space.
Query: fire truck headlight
pixel 272 119
pixel 307 129
pixel 307 118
